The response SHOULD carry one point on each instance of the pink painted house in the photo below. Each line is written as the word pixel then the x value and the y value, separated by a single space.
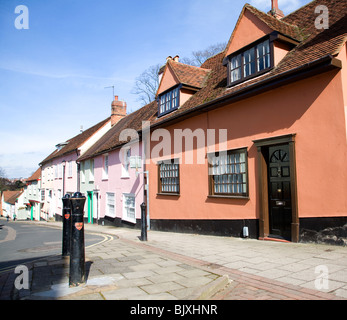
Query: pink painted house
pixel 117 191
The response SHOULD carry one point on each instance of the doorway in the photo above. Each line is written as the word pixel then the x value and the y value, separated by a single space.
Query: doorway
pixel 277 195
pixel 96 206
pixel 280 204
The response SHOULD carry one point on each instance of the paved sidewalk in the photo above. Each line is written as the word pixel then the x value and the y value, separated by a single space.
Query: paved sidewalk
pixel 171 266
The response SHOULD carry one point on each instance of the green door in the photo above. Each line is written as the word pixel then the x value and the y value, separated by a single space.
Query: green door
pixel 90 206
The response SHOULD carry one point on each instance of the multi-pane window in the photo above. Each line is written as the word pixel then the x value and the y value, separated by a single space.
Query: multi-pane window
pixel 91 170
pixel 129 207
pixel 263 55
pixel 250 62
pixel 60 171
pixel 169 101
pixel 110 204
pixel 105 167
pixel 126 163
pixel 83 174
pixel 168 172
pixel 70 169
pixel 228 173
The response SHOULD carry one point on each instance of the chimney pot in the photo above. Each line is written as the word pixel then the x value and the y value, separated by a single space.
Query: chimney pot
pixel 176 58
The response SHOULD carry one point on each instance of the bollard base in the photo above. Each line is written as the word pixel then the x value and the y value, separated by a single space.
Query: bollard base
pixel 74 285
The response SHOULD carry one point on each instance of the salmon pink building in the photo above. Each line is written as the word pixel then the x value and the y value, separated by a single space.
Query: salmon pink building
pixel 253 143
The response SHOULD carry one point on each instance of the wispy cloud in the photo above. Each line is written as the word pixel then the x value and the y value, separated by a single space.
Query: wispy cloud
pixel 51 74
pixel 20 143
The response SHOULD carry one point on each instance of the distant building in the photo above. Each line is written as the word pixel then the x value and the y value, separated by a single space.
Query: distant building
pixel 33 196
pixel 13 205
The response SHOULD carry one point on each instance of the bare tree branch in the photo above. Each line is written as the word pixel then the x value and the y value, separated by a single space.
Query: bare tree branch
pixel 146 85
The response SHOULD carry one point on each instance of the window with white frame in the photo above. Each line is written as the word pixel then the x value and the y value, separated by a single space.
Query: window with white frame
pixel 126 162
pixel 70 169
pixel 83 175
pixel 168 101
pixel 105 167
pixel 60 171
pixel 91 170
pixel 59 197
pixel 129 207
pixel 110 204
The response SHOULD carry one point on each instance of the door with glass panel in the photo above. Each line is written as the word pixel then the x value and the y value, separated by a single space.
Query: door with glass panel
pixel 280 203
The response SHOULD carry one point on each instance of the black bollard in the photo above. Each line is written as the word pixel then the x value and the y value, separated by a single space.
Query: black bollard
pixel 143 222
pixel 77 255
pixel 66 226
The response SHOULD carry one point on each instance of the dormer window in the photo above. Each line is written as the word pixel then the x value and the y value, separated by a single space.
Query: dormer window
pixel 169 101
pixel 250 62
pixel 178 82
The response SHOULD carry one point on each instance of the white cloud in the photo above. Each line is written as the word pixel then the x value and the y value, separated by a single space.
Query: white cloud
pixel 20 154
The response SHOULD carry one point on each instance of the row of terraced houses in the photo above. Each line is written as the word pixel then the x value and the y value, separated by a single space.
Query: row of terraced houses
pixel 252 143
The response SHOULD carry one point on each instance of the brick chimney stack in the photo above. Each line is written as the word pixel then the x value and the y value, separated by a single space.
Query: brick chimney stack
pixel 118 110
pixel 275 11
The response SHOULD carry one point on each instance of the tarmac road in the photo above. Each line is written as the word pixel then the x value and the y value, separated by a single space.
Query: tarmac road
pixel 22 242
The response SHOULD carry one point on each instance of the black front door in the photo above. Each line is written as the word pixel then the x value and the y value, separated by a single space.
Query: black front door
pixel 280 204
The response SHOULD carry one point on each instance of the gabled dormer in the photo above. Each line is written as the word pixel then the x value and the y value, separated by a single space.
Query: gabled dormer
pixel 258 43
pixel 178 82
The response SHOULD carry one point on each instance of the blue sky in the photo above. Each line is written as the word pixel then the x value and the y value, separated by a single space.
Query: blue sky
pixel 52 75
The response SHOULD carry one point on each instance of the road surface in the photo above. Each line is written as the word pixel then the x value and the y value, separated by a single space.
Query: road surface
pixel 22 242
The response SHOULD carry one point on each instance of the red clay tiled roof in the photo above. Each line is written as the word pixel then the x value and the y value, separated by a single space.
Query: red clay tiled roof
pixel 11 196
pixel 35 176
pixel 189 75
